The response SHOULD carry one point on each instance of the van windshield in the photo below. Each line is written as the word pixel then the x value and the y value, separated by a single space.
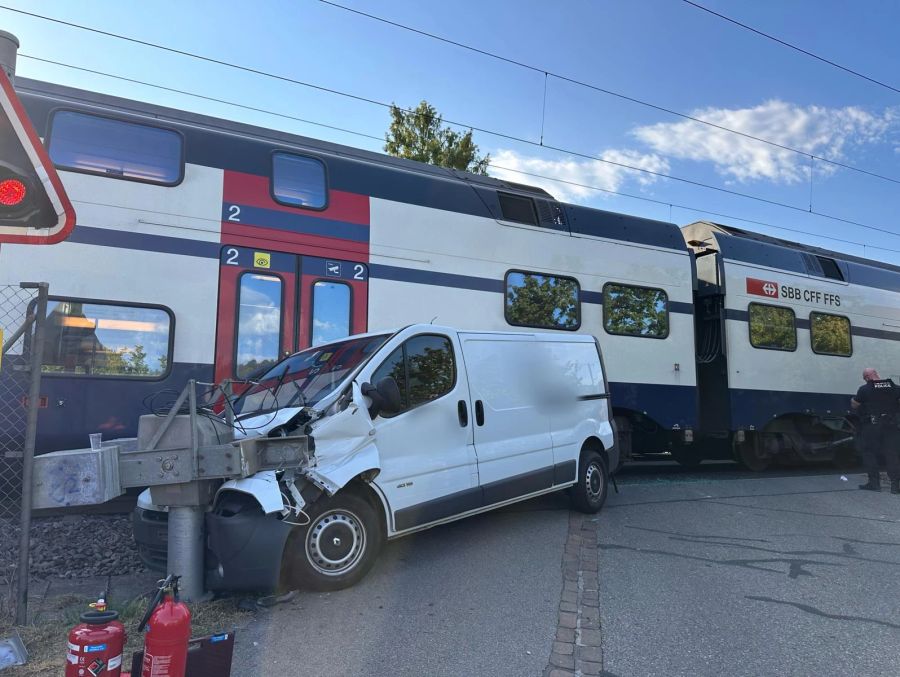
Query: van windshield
pixel 304 378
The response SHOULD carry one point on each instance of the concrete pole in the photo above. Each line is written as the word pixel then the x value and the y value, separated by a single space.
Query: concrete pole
pixel 186 550
pixel 9 46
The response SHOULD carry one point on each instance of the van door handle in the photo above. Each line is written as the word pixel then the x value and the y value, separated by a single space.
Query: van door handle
pixel 463 412
pixel 479 412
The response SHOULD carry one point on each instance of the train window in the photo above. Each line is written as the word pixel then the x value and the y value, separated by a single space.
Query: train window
pixel 830 334
pixel 635 311
pixel 830 268
pixel 330 311
pixel 116 148
pixel 89 338
pixel 299 181
pixel 258 343
pixel 772 327
pixel 517 208
pixel 542 301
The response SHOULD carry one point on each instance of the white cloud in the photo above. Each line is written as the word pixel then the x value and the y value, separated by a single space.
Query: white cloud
pixel 507 165
pixel 323 325
pixel 817 130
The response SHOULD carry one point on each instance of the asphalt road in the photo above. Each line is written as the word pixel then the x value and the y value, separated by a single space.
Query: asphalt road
pixel 795 575
pixel 704 572
pixel 476 597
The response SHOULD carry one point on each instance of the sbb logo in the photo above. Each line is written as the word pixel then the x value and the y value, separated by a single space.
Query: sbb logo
pixel 762 288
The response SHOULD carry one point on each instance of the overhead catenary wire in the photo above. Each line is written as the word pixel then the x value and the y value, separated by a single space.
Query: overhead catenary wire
pixel 609 92
pixel 792 46
pixel 644 198
pixel 546 73
pixel 512 137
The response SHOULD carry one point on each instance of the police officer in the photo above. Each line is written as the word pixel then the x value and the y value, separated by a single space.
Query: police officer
pixel 878 403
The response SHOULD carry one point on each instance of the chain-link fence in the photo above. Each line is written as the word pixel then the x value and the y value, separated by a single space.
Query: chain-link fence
pixel 22 314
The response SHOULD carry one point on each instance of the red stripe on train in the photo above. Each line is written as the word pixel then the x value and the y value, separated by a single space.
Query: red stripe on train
pixel 294 243
pixel 254 191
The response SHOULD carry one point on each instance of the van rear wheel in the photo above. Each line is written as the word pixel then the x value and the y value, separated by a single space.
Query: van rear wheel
pixel 338 546
pixel 592 486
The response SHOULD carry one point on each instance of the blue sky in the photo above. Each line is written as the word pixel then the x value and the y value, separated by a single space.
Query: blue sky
pixel 663 51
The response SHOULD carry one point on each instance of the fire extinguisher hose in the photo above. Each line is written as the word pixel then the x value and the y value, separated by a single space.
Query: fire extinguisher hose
pixel 171 581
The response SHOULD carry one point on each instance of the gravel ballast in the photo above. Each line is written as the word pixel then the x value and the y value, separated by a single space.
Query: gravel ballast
pixel 73 546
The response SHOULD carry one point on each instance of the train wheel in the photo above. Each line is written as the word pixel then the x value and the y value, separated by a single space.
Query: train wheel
pixel 750 454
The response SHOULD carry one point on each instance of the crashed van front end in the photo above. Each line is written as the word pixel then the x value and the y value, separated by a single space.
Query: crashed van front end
pixel 251 519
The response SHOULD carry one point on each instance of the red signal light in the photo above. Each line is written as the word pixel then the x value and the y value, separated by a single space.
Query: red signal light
pixel 12 192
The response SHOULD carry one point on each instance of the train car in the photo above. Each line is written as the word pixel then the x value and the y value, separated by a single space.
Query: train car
pixel 783 333
pixel 208 249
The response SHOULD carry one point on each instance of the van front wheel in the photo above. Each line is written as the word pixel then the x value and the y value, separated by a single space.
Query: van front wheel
pixel 338 546
pixel 589 492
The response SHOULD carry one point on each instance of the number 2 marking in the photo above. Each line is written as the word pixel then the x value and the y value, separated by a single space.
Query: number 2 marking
pixel 232 255
pixel 234 213
pixel 359 272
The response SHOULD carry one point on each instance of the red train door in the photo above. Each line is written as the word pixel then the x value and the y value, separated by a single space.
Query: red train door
pixel 273 303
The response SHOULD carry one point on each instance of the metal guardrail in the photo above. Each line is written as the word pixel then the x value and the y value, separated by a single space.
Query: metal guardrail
pixel 182 458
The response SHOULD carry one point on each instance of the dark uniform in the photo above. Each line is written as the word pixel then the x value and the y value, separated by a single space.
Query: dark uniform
pixel 878 435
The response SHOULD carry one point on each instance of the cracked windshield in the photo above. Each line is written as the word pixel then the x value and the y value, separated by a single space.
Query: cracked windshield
pixel 345 338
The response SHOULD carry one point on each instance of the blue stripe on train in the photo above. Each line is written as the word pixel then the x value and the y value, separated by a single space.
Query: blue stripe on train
pixel 667 405
pixel 416 276
pixel 758 407
pixel 79 405
pixel 298 223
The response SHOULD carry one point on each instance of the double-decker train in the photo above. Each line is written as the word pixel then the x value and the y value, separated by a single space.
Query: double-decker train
pixel 209 249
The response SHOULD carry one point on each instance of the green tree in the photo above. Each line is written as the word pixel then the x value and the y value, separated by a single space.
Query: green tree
pixel 137 361
pixel 110 362
pixel 635 310
pixel 542 301
pixel 772 327
pixel 830 334
pixel 421 135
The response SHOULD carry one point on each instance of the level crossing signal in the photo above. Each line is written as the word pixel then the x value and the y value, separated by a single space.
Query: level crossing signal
pixel 34 208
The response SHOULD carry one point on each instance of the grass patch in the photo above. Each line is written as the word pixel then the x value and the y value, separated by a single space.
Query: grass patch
pixel 46 640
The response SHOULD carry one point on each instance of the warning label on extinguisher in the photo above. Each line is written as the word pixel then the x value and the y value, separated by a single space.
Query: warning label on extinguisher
pixel 762 287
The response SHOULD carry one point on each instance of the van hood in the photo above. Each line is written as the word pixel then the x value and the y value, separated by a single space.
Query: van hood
pixel 344 448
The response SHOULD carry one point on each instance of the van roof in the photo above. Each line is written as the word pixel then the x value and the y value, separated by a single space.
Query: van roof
pixel 568 337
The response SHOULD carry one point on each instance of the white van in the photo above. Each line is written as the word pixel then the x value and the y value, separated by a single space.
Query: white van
pixel 410 430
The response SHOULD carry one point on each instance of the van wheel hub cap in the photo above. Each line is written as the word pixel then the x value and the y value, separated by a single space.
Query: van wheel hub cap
pixel 593 481
pixel 335 542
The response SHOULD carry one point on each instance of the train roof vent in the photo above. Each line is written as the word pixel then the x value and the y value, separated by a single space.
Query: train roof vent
pixel 551 214
pixel 517 208
pixel 822 266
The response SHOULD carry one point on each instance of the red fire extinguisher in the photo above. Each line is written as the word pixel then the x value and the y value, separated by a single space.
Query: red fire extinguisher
pixel 96 644
pixel 168 623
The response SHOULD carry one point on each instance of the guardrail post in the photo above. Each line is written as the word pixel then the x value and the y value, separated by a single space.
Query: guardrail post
pixel 34 396
pixel 186 550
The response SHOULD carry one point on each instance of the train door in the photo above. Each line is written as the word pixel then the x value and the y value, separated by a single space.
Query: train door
pixel 273 303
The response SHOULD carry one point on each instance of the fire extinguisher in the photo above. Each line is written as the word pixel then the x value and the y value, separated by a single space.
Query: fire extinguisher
pixel 96 644
pixel 168 623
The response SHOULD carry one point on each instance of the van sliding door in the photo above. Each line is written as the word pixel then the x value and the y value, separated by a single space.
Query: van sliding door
pixel 512 434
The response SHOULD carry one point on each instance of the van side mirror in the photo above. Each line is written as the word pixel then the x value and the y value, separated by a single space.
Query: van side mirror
pixel 385 396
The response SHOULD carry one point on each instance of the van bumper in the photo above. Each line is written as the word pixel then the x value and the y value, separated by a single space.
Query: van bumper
pixel 247 548
pixel 243 551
